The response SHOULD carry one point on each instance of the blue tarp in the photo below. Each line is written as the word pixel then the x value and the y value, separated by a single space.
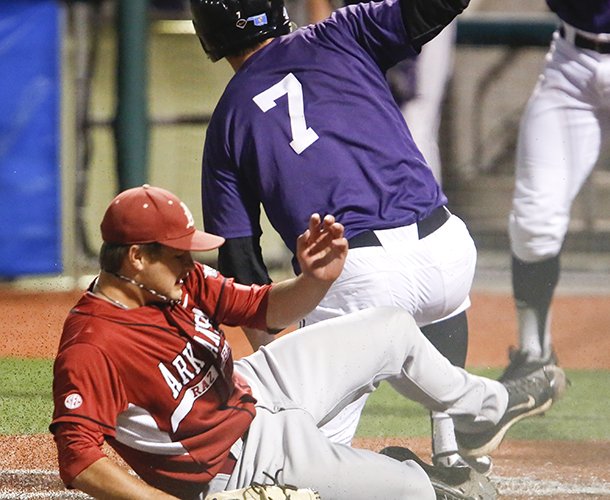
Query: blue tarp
pixel 30 224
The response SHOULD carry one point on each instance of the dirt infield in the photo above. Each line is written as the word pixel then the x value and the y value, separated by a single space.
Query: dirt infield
pixel 557 470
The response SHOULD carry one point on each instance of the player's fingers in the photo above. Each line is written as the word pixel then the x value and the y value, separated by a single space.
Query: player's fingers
pixel 328 247
pixel 337 230
pixel 303 239
pixel 323 227
pixel 340 244
pixel 318 228
pixel 314 222
pixel 329 220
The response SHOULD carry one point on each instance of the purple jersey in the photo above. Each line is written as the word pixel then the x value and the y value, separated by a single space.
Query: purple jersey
pixel 308 124
pixel 587 15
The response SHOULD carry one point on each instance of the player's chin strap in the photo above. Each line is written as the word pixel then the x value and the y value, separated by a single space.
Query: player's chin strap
pixel 159 295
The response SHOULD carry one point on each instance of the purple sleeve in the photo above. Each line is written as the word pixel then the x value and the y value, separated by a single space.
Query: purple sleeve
pixel 376 26
pixel 228 210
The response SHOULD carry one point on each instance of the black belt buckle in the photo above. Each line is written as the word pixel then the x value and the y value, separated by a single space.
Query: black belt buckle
pixel 436 219
pixel 601 47
pixel 588 43
pixel 582 42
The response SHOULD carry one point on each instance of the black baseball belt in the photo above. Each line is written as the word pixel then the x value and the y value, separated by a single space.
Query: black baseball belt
pixel 425 227
pixel 585 42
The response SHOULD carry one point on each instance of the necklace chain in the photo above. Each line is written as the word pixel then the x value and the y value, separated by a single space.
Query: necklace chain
pixel 117 303
pixel 161 296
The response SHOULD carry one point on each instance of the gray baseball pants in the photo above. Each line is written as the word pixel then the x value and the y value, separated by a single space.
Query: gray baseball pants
pixel 304 379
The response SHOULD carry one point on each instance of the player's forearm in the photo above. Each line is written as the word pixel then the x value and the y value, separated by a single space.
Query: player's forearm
pixel 424 19
pixel 105 479
pixel 292 299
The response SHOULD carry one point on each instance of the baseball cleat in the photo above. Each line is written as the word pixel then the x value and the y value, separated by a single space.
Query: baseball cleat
pixel 527 396
pixel 520 367
pixel 449 483
pixel 482 464
pixel 453 459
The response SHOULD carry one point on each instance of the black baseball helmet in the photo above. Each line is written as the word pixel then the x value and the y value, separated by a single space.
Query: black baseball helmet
pixel 225 27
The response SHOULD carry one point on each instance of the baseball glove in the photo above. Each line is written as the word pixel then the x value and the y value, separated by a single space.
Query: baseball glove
pixel 266 492
pixel 273 491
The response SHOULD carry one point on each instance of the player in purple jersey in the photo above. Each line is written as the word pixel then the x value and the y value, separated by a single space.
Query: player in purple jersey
pixel 559 143
pixel 418 84
pixel 308 124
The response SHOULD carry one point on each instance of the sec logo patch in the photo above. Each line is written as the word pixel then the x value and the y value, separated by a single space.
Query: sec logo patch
pixel 73 401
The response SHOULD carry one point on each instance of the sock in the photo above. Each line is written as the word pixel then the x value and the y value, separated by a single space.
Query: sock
pixel 450 337
pixel 533 288
pixel 443 434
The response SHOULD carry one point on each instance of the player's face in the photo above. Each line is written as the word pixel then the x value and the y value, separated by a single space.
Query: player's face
pixel 165 271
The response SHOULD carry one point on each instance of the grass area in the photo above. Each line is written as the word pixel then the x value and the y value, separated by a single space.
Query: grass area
pixel 26 407
pixel 25 395
pixel 581 414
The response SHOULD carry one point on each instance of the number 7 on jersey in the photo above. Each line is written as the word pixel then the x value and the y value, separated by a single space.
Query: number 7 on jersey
pixel 302 135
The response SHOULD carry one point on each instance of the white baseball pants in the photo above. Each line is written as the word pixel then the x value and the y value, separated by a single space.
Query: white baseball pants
pixel 429 278
pixel 559 142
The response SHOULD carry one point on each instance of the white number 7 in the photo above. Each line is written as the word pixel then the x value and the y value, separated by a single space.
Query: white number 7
pixel 302 135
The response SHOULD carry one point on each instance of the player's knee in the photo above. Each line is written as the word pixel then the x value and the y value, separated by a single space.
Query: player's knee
pixel 534 243
pixel 396 322
pixel 536 253
pixel 388 318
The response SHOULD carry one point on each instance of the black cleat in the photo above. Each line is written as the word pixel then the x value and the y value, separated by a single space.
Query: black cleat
pixel 449 483
pixel 520 367
pixel 527 396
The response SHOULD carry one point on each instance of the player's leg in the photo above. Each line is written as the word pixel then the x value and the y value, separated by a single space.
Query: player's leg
pixel 325 366
pixel 450 337
pixel 318 370
pixel 364 283
pixel 429 278
pixel 558 145
pixel 444 279
pixel 287 446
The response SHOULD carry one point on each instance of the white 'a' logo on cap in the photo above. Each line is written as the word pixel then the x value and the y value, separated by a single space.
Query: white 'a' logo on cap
pixel 188 214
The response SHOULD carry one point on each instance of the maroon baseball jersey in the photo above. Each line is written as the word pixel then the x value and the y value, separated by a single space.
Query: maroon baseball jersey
pixel 157 382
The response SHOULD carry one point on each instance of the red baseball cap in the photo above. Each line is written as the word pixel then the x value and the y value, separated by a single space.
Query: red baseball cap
pixel 150 214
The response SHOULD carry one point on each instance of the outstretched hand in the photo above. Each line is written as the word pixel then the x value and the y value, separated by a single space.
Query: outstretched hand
pixel 321 252
pixel 322 248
